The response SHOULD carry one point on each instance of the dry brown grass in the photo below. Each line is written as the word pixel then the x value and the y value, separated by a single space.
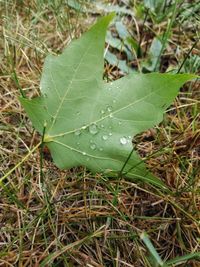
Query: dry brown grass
pixel 72 216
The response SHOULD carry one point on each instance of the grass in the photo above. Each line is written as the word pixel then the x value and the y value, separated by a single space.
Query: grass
pixel 50 217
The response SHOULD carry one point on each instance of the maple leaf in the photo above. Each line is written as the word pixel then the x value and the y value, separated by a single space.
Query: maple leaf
pixel 90 122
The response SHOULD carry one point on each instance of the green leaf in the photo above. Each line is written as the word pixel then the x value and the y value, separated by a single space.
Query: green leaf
pixel 74 4
pixel 112 8
pixel 155 256
pixel 90 122
pixel 121 64
pixel 122 31
pixel 183 259
pixel 154 53
pixel 154 5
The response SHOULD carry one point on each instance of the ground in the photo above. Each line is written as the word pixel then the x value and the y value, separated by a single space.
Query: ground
pixel 50 217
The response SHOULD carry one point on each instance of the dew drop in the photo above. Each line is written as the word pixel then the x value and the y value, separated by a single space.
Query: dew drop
pixel 123 140
pixel 102 126
pixel 109 108
pixel 105 137
pixel 93 129
pixel 77 133
pixel 93 146
pixel 110 115
pixel 83 153
pixel 110 134
pixel 102 111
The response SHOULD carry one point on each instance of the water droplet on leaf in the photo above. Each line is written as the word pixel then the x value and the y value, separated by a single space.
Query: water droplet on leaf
pixel 109 108
pixel 123 140
pixel 104 137
pixel 93 129
pixel 93 146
